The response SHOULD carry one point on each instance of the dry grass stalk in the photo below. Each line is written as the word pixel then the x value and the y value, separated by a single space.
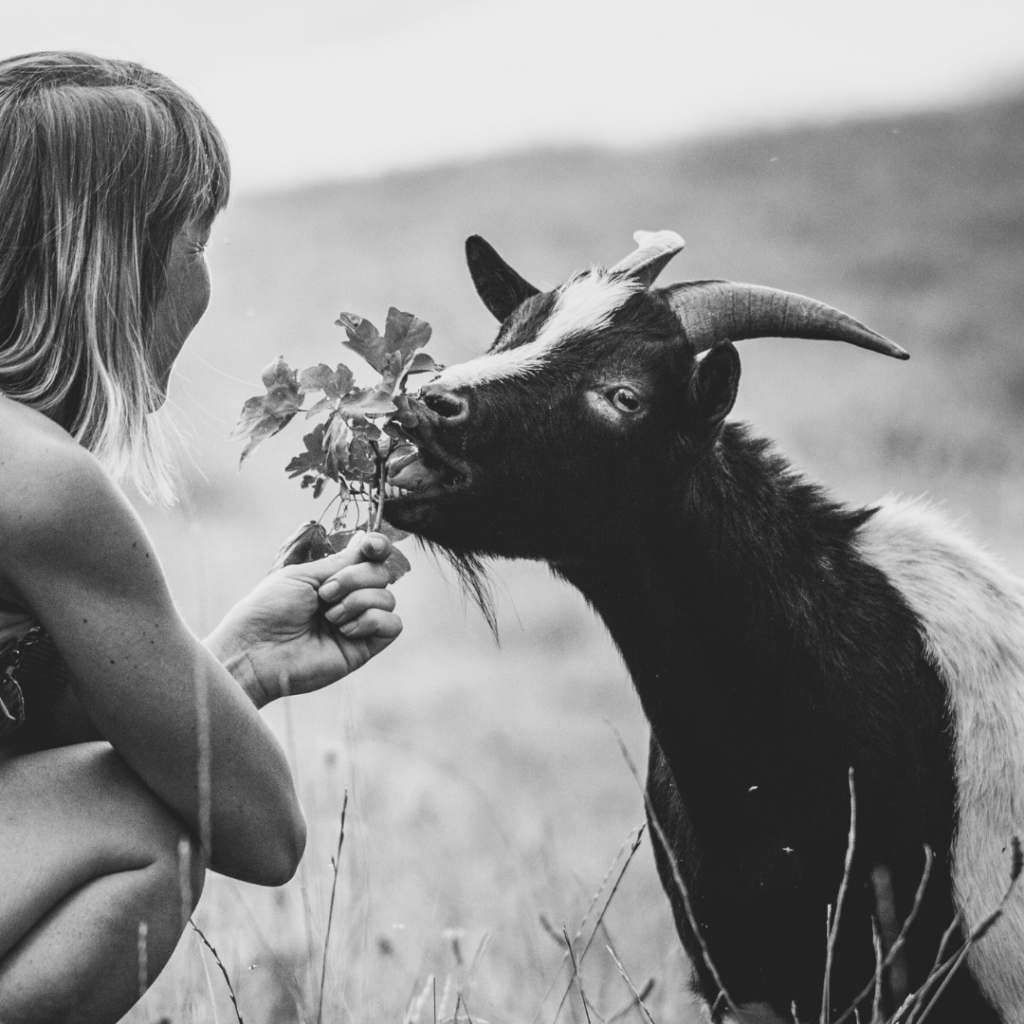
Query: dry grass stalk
pixel 223 969
pixel 914 1009
pixel 876 1002
pixel 576 974
pixel 469 1016
pixel 284 688
pixel 448 992
pixel 478 955
pixel 550 930
pixel 335 865
pixel 723 994
pixel 143 957
pixel 460 1001
pixel 634 1002
pixel 414 1011
pixel 614 889
pixel 209 986
pixel 634 845
pixel 637 998
pixel 833 929
pixel 185 879
pixel 953 963
pixel 897 946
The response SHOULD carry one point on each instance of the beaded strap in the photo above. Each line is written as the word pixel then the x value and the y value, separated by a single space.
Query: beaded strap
pixel 12 700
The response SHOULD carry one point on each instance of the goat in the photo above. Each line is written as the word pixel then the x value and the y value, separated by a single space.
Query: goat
pixel 775 637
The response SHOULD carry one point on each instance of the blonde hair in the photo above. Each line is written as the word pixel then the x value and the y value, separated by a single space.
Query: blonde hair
pixel 102 162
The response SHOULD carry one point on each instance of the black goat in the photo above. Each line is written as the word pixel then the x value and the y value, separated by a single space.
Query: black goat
pixel 776 638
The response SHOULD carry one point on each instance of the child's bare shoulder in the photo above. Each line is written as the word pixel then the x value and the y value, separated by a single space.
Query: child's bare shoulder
pixel 47 479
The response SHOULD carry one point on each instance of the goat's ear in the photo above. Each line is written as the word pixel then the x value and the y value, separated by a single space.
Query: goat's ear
pixel 713 386
pixel 501 288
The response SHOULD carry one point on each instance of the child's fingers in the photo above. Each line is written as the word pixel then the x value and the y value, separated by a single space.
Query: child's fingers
pixel 363 575
pixel 373 624
pixel 374 547
pixel 362 547
pixel 358 602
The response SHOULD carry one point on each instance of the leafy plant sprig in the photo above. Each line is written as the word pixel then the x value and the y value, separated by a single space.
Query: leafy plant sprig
pixel 360 430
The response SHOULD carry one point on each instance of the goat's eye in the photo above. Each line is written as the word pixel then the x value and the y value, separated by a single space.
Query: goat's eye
pixel 624 399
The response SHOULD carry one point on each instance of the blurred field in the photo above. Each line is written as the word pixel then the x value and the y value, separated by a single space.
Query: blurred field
pixel 485 785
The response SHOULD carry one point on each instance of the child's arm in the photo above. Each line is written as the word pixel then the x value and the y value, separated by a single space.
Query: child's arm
pixel 79 557
pixel 293 633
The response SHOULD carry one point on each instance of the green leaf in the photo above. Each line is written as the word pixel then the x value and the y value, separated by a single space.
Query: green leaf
pixel 314 458
pixel 334 383
pixel 366 429
pixel 392 355
pixel 264 415
pixel 404 334
pixel 325 403
pixel 278 374
pixel 307 544
pixel 362 463
pixel 339 539
pixel 337 440
pixel 397 565
pixel 363 428
pixel 423 363
pixel 367 402
pixel 364 339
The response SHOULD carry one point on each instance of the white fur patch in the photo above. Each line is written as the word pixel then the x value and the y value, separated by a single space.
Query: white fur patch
pixel 972 610
pixel 584 305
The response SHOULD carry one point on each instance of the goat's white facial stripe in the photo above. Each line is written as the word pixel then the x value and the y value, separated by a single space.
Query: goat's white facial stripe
pixel 584 305
pixel 972 611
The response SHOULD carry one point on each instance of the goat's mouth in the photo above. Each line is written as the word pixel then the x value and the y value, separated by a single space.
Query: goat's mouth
pixel 423 474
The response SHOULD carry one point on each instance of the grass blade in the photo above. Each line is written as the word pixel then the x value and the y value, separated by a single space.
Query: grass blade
pixel 336 865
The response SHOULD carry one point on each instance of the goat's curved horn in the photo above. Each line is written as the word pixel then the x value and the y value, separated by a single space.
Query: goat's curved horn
pixel 654 250
pixel 712 312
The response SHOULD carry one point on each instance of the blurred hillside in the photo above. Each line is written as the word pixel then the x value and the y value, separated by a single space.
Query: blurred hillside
pixel 915 225
pixel 486 785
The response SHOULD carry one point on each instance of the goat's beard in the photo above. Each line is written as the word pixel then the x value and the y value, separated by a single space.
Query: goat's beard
pixel 474 581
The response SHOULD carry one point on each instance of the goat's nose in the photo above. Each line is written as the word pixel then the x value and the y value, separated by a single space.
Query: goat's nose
pixel 451 407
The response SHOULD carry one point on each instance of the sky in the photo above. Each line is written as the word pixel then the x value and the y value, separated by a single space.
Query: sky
pixel 311 89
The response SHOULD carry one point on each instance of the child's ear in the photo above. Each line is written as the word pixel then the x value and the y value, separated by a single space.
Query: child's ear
pixel 713 386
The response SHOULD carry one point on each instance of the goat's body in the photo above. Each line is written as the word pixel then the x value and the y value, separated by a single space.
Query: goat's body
pixel 775 644
pixel 972 614
pixel 775 638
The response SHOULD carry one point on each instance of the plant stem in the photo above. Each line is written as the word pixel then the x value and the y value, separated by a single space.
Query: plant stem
pixel 223 969
pixel 377 507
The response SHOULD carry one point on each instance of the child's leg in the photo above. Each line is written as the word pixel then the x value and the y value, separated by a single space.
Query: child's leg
pixel 87 852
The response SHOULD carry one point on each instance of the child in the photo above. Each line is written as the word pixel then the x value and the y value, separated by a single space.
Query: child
pixel 132 755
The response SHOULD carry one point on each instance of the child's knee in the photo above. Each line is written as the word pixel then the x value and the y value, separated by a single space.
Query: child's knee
pixel 142 827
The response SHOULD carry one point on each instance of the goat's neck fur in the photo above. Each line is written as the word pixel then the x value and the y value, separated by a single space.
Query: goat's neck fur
pixel 732 615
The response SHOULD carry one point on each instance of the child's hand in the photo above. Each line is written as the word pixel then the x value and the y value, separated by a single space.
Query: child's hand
pixel 309 624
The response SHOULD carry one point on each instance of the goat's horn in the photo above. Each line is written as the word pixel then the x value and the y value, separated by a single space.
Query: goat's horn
pixel 712 312
pixel 654 250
